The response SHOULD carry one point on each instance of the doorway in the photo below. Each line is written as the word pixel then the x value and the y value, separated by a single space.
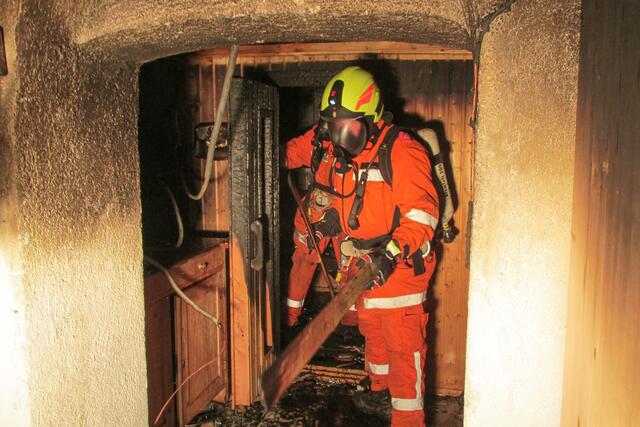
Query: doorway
pixel 422 86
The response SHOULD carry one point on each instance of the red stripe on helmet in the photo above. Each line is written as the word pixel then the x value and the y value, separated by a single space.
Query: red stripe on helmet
pixel 365 96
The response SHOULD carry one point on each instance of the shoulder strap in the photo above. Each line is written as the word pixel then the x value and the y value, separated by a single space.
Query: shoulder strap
pixel 318 151
pixel 316 158
pixel 384 153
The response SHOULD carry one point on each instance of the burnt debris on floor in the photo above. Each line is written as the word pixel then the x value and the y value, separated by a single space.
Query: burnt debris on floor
pixel 322 394
pixel 314 402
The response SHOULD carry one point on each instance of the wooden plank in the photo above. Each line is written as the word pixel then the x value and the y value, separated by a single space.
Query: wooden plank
pixel 293 359
pixel 442 101
pixel 215 203
pixel 332 51
pixel 185 273
pixel 336 375
pixel 240 313
pixel 206 93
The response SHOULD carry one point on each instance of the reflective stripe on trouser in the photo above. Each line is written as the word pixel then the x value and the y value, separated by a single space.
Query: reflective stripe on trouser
pixel 375 353
pixel 292 303
pixel 304 263
pixel 395 342
pixel 396 302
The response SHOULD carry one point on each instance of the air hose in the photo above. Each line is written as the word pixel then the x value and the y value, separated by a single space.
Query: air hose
pixel 222 104
pixel 431 138
pixel 181 294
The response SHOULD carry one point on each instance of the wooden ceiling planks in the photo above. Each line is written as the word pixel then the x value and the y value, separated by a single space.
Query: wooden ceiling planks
pixel 253 55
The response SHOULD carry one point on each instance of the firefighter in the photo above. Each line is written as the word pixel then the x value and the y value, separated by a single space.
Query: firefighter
pixel 312 149
pixel 388 209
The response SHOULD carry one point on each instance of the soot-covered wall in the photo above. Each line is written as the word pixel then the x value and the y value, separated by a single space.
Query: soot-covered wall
pixel 522 216
pixel 70 190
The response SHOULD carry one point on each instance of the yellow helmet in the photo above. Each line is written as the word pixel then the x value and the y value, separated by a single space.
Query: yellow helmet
pixel 351 105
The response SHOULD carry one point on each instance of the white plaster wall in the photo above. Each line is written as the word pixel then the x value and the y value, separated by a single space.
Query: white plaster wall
pixel 522 216
pixel 14 394
pixel 71 294
pixel 15 402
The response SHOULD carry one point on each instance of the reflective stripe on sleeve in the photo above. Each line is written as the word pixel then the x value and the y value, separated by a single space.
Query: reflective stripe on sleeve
pixel 378 369
pixel 396 302
pixel 373 175
pixel 416 404
pixel 353 308
pixel 302 238
pixel 422 217
pixel 295 304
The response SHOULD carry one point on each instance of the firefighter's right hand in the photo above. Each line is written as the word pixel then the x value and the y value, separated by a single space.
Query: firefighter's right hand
pixel 327 226
pixel 384 262
pixel 380 262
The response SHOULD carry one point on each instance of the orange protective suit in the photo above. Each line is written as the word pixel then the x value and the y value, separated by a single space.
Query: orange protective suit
pixel 392 317
pixel 297 154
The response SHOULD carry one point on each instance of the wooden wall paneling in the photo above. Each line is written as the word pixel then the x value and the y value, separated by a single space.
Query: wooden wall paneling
pixel 334 51
pixel 461 158
pixel 206 92
pixel 159 349
pixel 445 276
pixel 601 376
pixel 198 341
pixel 214 206
pixel 443 100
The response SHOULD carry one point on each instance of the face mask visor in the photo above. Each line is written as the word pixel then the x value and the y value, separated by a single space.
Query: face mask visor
pixel 350 134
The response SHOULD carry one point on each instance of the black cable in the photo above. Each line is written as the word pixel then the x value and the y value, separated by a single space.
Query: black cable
pixel 342 195
pixel 342 209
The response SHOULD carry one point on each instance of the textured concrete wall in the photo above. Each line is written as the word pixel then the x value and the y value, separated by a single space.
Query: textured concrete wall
pixel 602 377
pixel 70 192
pixel 72 187
pixel 74 209
pixel 142 30
pixel 522 216
pixel 14 390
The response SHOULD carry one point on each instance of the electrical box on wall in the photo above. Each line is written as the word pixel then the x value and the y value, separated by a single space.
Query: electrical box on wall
pixel 202 136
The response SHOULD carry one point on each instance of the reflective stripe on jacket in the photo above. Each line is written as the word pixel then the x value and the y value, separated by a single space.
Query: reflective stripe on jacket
pixel 413 192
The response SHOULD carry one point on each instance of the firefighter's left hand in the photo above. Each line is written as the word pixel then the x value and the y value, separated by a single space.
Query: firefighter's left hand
pixel 327 226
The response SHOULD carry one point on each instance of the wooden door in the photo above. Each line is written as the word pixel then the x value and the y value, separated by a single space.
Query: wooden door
pixel 254 207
